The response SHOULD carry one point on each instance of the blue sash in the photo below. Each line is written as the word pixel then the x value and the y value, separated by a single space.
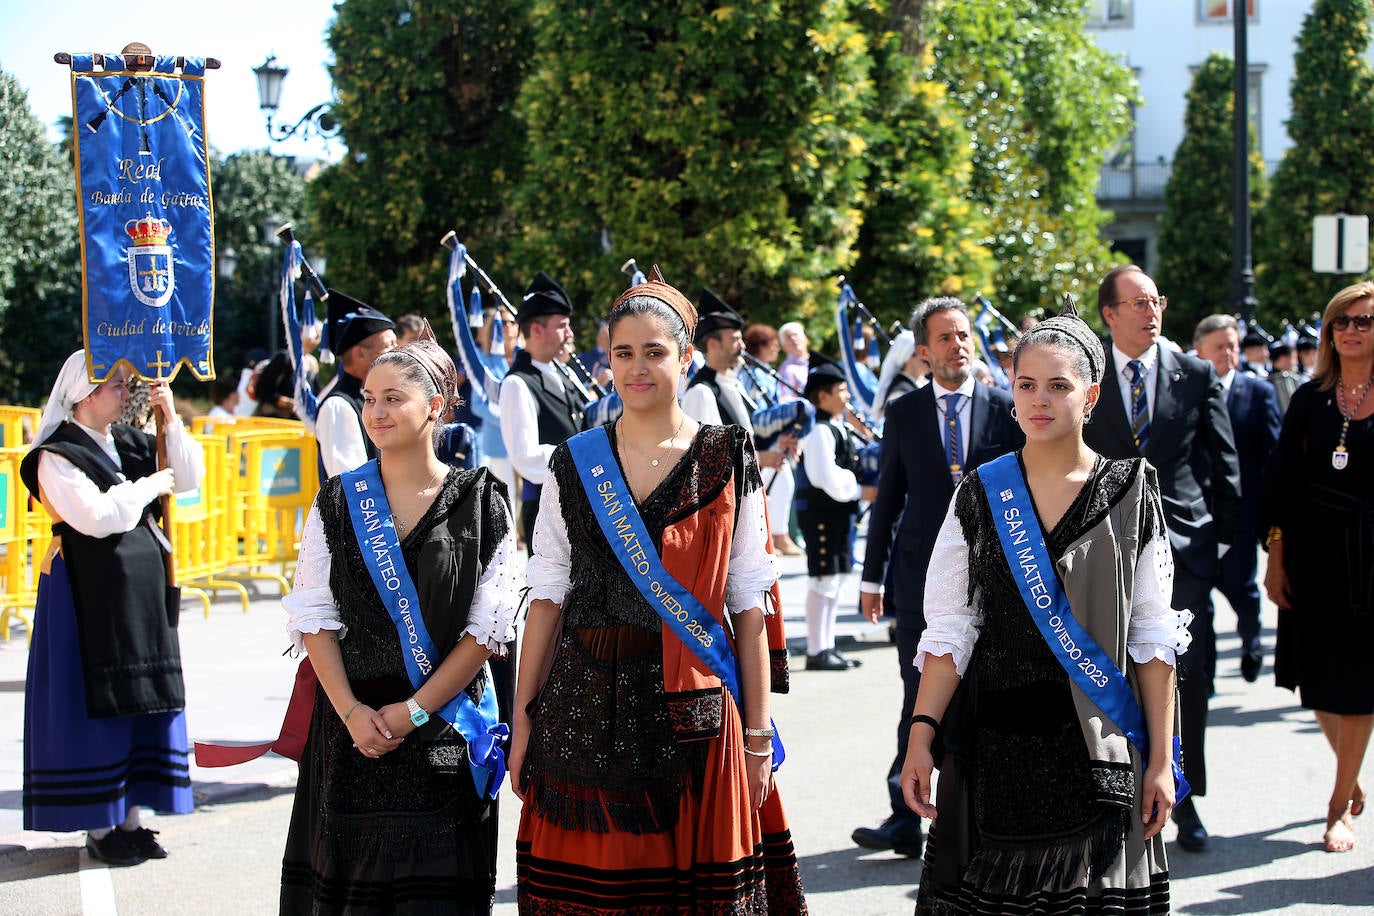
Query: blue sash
pixel 1088 665
pixel 381 548
pixel 615 511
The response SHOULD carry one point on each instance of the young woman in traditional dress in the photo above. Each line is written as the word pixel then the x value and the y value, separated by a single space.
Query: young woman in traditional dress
pixel 1055 608
pixel 394 809
pixel 647 784
pixel 104 726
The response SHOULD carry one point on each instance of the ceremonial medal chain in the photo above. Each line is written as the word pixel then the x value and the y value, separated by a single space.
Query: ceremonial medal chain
pixel 654 462
pixel 1340 458
pixel 419 498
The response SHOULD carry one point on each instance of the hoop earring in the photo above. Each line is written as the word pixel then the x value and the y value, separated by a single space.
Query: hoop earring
pixel 1013 414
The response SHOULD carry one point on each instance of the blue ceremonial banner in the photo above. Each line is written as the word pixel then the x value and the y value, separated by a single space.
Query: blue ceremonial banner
pixel 147 239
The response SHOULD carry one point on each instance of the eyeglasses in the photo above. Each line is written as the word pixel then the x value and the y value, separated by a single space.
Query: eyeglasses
pixel 1362 323
pixel 1144 303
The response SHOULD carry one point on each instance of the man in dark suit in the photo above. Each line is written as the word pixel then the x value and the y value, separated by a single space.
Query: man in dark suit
pixel 1171 409
pixel 1253 407
pixel 932 437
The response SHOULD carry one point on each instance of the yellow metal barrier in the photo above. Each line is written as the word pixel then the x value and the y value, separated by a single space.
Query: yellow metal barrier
pixel 24 538
pixel 275 485
pixel 203 541
pixel 246 517
pixel 13 423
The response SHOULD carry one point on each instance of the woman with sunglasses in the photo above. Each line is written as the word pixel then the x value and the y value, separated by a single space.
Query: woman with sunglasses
pixel 1317 521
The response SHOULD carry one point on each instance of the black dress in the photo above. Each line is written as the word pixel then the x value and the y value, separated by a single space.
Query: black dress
pixel 1327 517
pixel 406 832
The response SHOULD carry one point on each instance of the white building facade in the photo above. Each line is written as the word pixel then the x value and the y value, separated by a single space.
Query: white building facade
pixel 1164 42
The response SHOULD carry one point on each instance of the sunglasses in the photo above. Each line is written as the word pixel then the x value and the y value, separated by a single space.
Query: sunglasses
pixel 1362 323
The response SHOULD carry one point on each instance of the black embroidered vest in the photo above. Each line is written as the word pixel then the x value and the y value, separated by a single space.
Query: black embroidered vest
pixel 729 411
pixel 130 653
pixel 559 413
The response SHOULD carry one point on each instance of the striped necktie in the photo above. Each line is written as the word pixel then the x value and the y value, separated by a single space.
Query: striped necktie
pixel 1140 406
pixel 954 442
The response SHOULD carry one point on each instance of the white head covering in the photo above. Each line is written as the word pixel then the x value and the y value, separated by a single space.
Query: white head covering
pixel 73 385
pixel 902 349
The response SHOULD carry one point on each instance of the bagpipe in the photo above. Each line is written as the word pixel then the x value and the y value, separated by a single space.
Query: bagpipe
pixel 465 314
pixel 294 266
pixel 988 325
pixel 863 384
pixel 775 420
pixel 457 445
pixel 779 418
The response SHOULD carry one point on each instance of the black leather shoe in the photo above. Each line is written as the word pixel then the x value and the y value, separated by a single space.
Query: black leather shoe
pixel 826 661
pixel 1192 836
pixel 1251 661
pixel 114 848
pixel 849 662
pixel 900 834
pixel 145 841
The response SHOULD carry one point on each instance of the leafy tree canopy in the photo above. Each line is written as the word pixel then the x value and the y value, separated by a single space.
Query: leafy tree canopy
pixel 40 287
pixel 1195 232
pixel 426 95
pixel 255 192
pixel 920 236
pixel 1043 104
pixel 725 143
pixel 1328 168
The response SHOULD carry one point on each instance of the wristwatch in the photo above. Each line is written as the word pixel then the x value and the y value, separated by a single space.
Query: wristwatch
pixel 418 716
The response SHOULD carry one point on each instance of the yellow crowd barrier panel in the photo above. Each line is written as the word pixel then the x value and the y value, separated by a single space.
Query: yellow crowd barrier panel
pixel 277 477
pixel 17 425
pixel 243 522
pixel 24 538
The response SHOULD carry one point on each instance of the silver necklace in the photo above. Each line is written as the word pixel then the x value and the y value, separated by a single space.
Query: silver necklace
pixel 1340 457
pixel 401 526
pixel 654 462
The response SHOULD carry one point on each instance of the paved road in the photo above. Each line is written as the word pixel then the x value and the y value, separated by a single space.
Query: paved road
pixel 1265 808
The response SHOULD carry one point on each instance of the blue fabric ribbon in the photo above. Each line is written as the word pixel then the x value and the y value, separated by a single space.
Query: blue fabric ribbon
pixel 616 514
pixel 381 548
pixel 1087 664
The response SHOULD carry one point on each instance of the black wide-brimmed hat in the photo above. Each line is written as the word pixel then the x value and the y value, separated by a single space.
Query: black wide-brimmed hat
pixel 544 297
pixel 351 321
pixel 714 315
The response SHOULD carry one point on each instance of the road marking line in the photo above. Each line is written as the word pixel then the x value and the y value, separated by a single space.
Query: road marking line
pixel 97 889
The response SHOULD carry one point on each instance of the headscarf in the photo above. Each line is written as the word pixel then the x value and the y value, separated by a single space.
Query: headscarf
pixel 425 350
pixel 902 349
pixel 1076 329
pixel 658 288
pixel 73 385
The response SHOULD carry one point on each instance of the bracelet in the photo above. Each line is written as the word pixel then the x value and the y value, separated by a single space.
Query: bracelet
pixel 350 711
pixel 1275 534
pixel 760 732
pixel 934 726
pixel 767 753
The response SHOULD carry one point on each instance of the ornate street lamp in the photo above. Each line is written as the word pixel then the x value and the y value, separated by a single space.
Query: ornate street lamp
pixel 317 122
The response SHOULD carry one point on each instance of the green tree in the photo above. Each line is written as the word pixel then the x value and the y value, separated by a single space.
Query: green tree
pixel 426 102
pixel 723 142
pixel 40 287
pixel 1195 257
pixel 1328 169
pixel 1044 104
pixel 255 192
pixel 920 234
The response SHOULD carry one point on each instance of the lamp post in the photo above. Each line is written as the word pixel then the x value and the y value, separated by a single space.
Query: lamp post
pixel 319 121
pixel 1242 272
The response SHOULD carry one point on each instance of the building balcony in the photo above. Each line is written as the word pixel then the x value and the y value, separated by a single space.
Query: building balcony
pixel 1134 187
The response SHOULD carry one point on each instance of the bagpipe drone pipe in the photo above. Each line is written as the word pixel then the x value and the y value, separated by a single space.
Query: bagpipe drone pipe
pixel 294 265
pixel 464 315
